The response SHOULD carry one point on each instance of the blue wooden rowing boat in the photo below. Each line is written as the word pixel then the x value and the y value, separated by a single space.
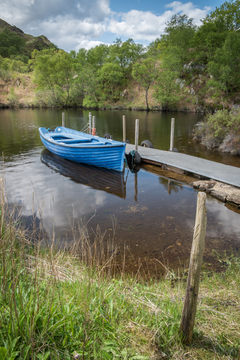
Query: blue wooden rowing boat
pixel 84 148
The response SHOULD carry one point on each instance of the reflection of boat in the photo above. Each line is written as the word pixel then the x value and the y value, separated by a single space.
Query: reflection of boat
pixel 97 178
pixel 84 148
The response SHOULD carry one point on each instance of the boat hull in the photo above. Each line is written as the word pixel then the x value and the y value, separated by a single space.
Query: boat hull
pixel 108 156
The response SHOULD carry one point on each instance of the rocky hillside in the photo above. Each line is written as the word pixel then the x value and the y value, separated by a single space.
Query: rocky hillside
pixel 13 41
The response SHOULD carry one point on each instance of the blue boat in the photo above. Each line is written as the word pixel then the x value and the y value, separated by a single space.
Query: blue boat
pixel 84 148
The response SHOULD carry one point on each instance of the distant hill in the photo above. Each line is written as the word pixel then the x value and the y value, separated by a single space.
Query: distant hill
pixel 15 43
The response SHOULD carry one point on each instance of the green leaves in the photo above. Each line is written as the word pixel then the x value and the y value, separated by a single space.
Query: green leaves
pixel 226 63
pixel 54 70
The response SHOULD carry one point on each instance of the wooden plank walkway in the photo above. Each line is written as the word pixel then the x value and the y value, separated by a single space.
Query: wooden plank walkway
pixel 191 164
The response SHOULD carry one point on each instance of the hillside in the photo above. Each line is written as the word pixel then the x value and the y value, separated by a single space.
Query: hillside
pixel 14 42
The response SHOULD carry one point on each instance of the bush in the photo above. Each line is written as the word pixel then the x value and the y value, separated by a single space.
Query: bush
pixel 88 102
pixel 223 122
pixel 220 130
pixel 12 98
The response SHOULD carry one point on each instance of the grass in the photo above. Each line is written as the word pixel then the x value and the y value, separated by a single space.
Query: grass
pixel 54 306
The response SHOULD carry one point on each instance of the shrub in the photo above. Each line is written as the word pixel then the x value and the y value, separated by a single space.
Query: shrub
pixel 222 122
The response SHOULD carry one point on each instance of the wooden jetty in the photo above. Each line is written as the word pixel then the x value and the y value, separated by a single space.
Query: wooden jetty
pixel 189 165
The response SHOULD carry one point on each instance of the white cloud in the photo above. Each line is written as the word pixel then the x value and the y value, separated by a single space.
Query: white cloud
pixel 22 11
pixel 139 25
pixel 190 10
pixel 142 25
pixel 69 33
pixel 88 44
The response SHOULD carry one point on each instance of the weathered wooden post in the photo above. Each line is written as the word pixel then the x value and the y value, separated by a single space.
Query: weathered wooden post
pixel 90 123
pixel 63 119
pixel 198 245
pixel 172 134
pixel 93 126
pixel 124 127
pixel 136 134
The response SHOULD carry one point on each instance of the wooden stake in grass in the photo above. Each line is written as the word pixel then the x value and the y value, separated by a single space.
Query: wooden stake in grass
pixel 198 244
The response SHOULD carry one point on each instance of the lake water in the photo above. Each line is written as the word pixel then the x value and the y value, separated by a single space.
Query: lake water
pixel 150 218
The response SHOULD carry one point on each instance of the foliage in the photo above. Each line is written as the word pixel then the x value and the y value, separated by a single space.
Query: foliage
pixel 226 64
pixel 54 70
pixel 145 73
pixel 180 32
pixel 5 73
pixel 220 130
pixel 125 54
pixel 228 15
pixel 12 98
pixel 223 122
pixel 167 89
pixel 10 43
pixel 111 78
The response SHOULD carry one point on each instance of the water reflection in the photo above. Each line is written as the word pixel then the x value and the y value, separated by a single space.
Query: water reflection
pixel 112 182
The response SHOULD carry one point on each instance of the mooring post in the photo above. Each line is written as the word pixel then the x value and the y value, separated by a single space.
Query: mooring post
pixel 93 126
pixel 124 127
pixel 90 124
pixel 136 134
pixel 172 134
pixel 198 244
pixel 63 119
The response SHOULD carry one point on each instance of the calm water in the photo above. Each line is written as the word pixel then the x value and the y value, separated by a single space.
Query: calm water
pixel 149 216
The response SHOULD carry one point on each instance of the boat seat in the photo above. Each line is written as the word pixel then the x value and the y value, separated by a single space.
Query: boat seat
pixel 73 141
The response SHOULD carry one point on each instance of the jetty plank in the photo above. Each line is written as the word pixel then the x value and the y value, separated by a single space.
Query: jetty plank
pixel 191 164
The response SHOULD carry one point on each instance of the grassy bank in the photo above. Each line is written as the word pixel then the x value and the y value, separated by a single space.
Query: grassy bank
pixel 54 307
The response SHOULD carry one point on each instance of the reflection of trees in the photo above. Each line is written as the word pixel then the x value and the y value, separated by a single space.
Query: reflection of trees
pixel 170 185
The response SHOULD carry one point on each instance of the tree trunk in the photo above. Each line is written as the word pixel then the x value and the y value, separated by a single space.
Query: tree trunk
pixel 146 98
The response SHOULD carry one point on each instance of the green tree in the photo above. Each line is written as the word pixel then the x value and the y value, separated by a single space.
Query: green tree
pixel 111 78
pixel 177 42
pixel 168 89
pixel 212 34
pixel 145 72
pixel 125 54
pixel 97 56
pixel 228 15
pixel 225 67
pixel 54 70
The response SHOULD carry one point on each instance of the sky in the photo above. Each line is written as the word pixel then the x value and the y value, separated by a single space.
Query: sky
pixel 75 24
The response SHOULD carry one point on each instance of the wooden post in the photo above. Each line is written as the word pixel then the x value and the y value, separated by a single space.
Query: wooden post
pixel 198 244
pixel 136 134
pixel 90 124
pixel 63 119
pixel 124 128
pixel 172 134
pixel 93 126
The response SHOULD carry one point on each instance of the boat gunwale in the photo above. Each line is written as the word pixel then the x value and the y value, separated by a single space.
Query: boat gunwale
pixel 82 145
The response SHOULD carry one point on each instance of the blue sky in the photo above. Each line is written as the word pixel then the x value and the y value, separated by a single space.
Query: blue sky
pixel 153 5
pixel 73 24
